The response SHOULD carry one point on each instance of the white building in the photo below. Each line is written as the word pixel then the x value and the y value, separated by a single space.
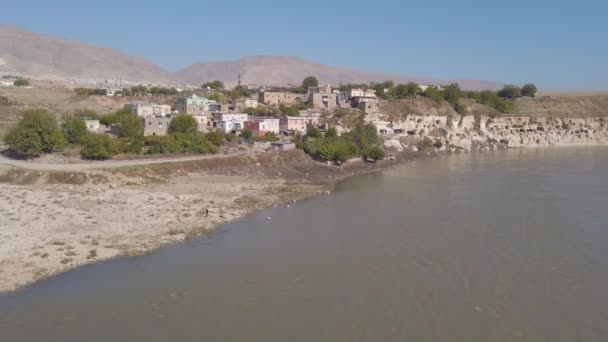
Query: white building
pixel 358 92
pixel 144 109
pixel 229 126
pixel 92 125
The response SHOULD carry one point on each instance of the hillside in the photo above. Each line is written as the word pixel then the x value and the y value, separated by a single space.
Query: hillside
pixel 277 70
pixel 48 57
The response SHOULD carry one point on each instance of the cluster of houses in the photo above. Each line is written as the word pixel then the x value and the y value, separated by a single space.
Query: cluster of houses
pixel 212 115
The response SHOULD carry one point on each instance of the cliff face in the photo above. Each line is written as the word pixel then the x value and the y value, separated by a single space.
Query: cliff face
pixel 576 119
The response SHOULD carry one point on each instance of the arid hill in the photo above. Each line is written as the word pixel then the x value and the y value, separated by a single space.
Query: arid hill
pixel 277 70
pixel 52 58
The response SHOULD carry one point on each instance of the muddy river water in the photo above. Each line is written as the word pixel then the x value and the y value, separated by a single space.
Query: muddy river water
pixel 502 246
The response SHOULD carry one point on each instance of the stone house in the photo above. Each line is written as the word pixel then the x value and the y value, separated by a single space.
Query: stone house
pixel 144 109
pixel 243 104
pixel 261 126
pixel 156 125
pixel 196 105
pixel 272 98
pixel 292 124
pixel 369 106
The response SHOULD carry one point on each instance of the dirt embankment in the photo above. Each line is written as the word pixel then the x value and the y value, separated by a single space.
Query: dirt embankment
pixel 56 220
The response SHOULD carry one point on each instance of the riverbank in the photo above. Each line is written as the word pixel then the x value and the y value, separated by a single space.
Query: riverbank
pixel 53 221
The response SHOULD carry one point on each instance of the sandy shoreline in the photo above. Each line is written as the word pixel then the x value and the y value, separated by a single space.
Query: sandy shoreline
pixel 56 221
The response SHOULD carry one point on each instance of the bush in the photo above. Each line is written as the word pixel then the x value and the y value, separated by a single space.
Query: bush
pixel 374 152
pixel 271 136
pixel 529 90
pixel 161 144
pixel 36 133
pixel 193 143
pixel 74 129
pixel 247 134
pixel 331 132
pixel 21 82
pixel 313 132
pixel 183 123
pixel 510 92
pixel 132 145
pixel 216 138
pixel 128 124
pixel 99 146
pixel 433 93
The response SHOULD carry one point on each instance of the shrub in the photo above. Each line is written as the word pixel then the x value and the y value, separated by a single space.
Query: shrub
pixel 99 146
pixel 331 132
pixel 529 90
pixel 193 143
pixel 271 136
pixel 131 145
pixel 313 132
pixel 74 129
pixel 510 92
pixel 36 133
pixel 216 138
pixel 183 123
pixel 374 152
pixel 161 144
pixel 247 134
pixel 21 82
pixel 128 124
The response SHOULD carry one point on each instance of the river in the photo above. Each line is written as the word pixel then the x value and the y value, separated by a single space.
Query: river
pixel 501 246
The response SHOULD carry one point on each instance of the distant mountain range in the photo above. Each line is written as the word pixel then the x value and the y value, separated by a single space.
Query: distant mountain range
pixel 46 57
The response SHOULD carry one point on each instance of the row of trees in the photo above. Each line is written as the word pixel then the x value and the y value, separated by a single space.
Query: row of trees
pixel 362 140
pixel 39 132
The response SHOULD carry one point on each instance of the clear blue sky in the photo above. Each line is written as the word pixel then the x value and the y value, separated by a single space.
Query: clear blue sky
pixel 559 45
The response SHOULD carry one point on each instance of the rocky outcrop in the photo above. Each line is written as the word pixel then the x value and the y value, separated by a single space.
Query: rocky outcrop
pixel 483 132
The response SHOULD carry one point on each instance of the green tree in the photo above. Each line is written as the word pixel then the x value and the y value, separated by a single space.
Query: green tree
pixel 510 92
pixel 271 136
pixel 36 133
pixel 246 134
pixel 374 152
pixel 433 93
pixel 21 82
pixel 215 85
pixel 313 132
pixel 218 97
pixel 74 129
pixel 452 94
pixel 529 90
pixel 503 106
pixel 161 144
pixel 310 81
pixel 128 124
pixel 331 132
pixel 289 110
pixel 183 123
pixel 99 146
pixel 132 145
pixel 216 138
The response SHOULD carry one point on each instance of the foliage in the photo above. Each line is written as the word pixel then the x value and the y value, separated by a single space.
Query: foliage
pixel 373 152
pixel 194 142
pixel 21 82
pixel 289 110
pixel 99 146
pixel 510 92
pixel 271 136
pixel 331 132
pixel 259 110
pixel 247 134
pixel 504 106
pixel 215 85
pixel 433 93
pixel 183 123
pixel 128 124
pixel 131 145
pixel 364 135
pixel 452 94
pixel 90 91
pixel 405 90
pixel 529 90
pixel 238 92
pixel 310 81
pixel 218 97
pixel 313 132
pixel 74 129
pixel 215 137
pixel 460 108
pixel 36 133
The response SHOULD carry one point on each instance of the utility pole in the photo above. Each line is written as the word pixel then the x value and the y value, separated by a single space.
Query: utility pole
pixel 239 79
